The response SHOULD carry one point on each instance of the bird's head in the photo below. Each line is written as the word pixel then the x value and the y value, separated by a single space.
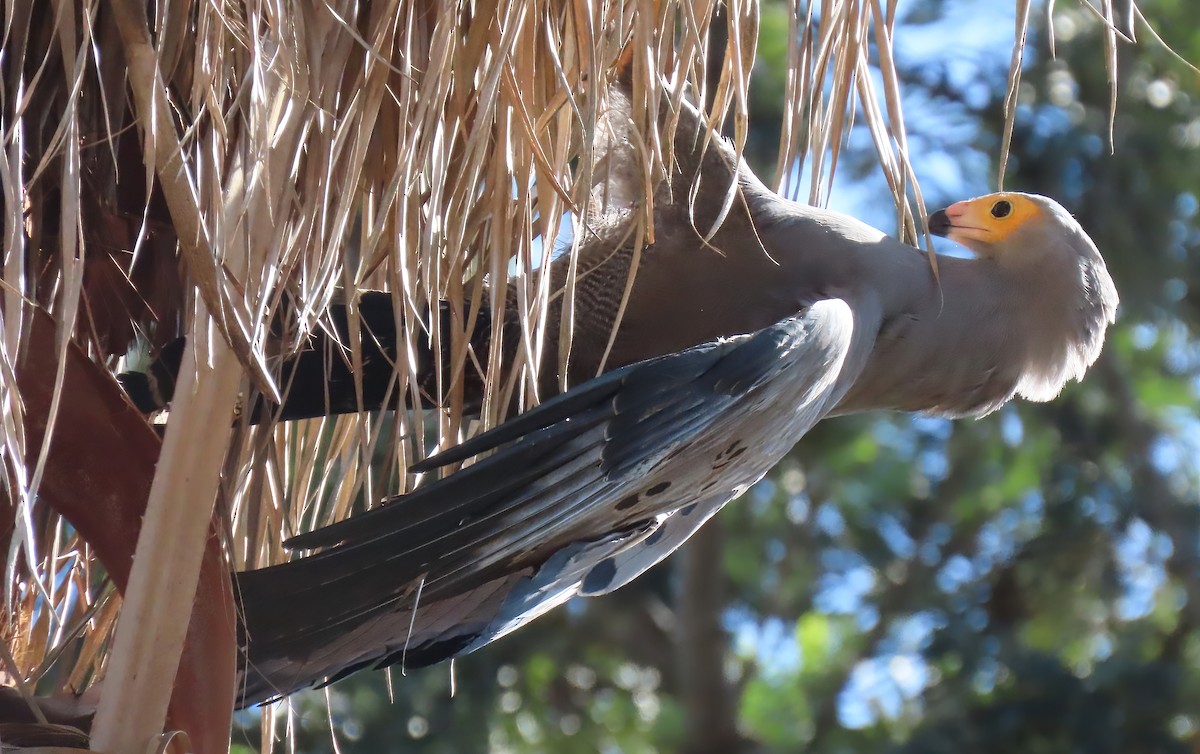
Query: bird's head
pixel 1006 224
pixel 1058 280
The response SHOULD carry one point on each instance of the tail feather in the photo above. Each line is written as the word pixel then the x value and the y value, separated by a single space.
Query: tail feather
pixel 432 632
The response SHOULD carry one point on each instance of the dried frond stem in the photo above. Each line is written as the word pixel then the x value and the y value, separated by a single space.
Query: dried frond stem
pixel 162 586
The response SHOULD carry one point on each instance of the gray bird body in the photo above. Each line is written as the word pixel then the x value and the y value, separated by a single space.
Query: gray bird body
pixel 583 493
pixel 959 345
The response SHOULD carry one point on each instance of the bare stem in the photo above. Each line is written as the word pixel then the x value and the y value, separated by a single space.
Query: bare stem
pixel 162 586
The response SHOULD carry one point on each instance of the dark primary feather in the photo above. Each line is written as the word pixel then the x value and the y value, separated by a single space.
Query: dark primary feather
pixel 580 495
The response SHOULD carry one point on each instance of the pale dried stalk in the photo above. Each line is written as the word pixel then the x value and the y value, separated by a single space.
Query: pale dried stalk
pixel 149 641
pixel 162 585
pixel 1014 88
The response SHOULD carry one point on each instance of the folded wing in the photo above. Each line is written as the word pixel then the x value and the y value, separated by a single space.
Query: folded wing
pixel 578 496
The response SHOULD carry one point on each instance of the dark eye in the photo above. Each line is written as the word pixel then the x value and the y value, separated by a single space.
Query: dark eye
pixel 1001 209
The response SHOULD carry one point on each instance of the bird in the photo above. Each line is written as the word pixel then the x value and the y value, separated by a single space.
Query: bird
pixel 766 259
pixel 583 493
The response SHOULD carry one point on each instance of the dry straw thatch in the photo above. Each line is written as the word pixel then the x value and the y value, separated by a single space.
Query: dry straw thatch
pixel 254 159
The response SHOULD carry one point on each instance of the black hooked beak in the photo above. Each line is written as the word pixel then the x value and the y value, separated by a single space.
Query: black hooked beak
pixel 939 223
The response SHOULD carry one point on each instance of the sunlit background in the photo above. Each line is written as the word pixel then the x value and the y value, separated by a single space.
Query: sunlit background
pixel 1026 582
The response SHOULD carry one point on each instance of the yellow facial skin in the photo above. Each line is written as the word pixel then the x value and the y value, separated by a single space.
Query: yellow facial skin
pixel 984 221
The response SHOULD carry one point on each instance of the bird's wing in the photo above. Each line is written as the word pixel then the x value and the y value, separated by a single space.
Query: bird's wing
pixel 581 495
